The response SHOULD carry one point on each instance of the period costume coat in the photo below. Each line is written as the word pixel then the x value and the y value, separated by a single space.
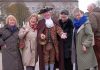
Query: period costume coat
pixel 83 36
pixel 29 52
pixel 54 31
pixel 11 57
pixel 95 22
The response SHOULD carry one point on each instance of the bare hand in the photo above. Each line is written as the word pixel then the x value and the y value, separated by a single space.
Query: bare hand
pixel 26 29
pixel 84 49
pixel 64 36
pixel 42 36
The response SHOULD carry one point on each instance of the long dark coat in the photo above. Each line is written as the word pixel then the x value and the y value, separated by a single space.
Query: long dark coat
pixel 41 25
pixel 66 44
pixel 11 57
pixel 67 27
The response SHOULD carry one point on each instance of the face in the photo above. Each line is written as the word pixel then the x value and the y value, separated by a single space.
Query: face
pixel 47 15
pixel 33 20
pixel 63 17
pixel 78 15
pixel 89 9
pixel 11 21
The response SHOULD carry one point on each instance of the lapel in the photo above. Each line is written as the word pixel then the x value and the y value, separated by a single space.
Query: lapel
pixel 82 26
pixel 42 25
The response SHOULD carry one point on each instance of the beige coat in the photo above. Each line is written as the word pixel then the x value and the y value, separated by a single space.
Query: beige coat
pixel 29 53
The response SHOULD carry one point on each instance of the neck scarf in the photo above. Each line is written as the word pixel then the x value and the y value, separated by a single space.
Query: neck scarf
pixel 49 23
pixel 12 28
pixel 34 27
pixel 78 23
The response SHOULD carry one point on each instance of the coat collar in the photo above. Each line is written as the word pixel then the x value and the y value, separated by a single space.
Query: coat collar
pixel 82 26
pixel 54 21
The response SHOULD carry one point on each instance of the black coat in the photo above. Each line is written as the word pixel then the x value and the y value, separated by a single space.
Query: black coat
pixel 11 57
pixel 67 27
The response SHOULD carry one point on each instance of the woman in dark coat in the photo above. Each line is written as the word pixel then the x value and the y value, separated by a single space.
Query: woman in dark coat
pixel 11 57
pixel 67 26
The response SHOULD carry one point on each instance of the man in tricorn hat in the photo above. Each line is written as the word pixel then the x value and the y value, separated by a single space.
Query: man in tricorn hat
pixel 48 29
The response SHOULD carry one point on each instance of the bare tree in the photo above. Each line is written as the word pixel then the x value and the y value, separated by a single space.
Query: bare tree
pixel 20 11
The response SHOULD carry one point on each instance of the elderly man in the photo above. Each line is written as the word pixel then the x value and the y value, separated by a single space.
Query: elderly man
pixel 48 29
pixel 94 16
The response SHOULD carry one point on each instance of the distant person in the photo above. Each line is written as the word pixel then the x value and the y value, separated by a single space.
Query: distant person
pixel 83 56
pixel 94 16
pixel 29 33
pixel 11 56
pixel 67 26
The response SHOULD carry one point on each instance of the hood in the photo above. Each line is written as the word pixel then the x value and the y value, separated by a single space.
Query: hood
pixel 97 9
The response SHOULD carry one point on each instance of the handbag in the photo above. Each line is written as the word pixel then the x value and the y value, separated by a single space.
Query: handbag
pixel 22 42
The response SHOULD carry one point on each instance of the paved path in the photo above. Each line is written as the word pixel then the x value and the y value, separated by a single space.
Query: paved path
pixel 37 65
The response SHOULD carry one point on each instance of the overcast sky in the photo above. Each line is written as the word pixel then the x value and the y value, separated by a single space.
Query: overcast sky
pixel 84 3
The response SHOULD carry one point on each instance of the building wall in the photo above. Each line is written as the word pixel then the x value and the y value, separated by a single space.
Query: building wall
pixel 58 6
pixel 39 0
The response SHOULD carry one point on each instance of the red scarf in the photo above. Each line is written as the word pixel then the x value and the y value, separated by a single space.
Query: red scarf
pixel 34 27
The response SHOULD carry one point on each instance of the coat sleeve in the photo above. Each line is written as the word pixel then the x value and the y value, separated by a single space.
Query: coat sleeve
pixel 22 33
pixel 93 22
pixel 89 40
pixel 1 39
pixel 59 30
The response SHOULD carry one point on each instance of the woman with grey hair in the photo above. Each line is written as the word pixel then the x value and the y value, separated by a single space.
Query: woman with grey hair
pixel 11 57
pixel 83 56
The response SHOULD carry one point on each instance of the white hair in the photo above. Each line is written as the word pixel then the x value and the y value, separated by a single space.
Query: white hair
pixel 92 5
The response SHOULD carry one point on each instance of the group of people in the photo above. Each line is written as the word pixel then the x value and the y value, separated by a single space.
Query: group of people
pixel 61 43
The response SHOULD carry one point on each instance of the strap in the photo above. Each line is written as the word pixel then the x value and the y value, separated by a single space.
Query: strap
pixel 8 37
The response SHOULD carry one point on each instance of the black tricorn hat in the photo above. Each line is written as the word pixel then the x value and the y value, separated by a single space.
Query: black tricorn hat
pixel 45 9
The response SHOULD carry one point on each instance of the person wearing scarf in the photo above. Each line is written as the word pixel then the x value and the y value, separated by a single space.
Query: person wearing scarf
pixel 29 33
pixel 11 56
pixel 83 56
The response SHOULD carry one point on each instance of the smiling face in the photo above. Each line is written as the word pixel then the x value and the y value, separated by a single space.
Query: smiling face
pixel 12 21
pixel 47 15
pixel 33 20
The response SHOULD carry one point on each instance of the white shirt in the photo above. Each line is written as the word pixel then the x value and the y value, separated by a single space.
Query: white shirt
pixel 49 23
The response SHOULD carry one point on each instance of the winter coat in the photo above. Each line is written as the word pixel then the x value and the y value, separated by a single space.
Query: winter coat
pixel 29 52
pixel 83 36
pixel 11 57
pixel 67 27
